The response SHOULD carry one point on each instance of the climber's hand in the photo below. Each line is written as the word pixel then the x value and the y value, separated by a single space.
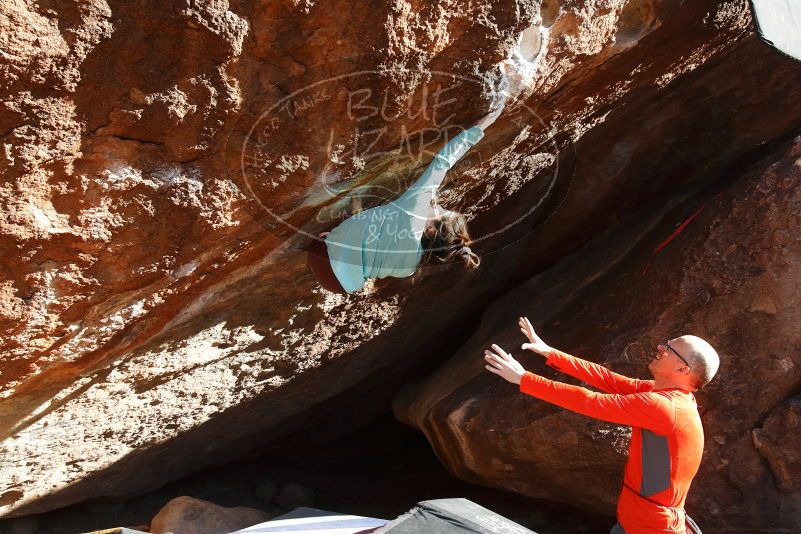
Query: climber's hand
pixel 502 364
pixel 490 117
pixel 535 343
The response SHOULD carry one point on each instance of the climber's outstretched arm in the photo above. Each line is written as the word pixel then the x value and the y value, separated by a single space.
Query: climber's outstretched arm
pixel 424 190
pixel 432 177
pixel 487 120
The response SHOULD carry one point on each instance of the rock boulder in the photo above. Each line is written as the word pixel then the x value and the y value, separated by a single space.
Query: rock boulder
pixel 185 515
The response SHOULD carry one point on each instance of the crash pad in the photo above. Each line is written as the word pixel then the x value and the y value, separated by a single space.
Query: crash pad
pixel 452 516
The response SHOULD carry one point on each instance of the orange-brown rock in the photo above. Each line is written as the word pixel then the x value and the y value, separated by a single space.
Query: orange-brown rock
pixel 158 159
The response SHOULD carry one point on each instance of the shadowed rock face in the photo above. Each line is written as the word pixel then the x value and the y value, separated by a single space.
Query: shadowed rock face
pixel 158 159
pixel 729 277
pixel 777 441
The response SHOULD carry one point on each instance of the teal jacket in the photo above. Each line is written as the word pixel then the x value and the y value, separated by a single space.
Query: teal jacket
pixel 385 240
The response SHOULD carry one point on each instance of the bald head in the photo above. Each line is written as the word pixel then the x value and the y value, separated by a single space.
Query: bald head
pixel 701 357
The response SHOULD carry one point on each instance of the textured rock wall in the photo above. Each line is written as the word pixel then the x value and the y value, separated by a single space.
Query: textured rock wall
pixel 162 161
pixel 730 277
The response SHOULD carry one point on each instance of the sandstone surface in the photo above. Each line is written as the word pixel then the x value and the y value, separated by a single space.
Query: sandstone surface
pixel 162 164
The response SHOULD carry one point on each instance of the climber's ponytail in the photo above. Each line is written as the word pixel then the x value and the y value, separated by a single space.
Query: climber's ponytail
pixel 446 238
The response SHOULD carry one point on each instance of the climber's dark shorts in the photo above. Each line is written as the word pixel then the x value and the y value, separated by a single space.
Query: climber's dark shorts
pixel 320 266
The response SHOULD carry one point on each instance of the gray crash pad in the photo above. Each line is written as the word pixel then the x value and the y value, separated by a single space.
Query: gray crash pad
pixel 452 516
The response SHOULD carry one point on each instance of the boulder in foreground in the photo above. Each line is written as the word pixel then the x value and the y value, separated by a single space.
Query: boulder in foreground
pixel 186 515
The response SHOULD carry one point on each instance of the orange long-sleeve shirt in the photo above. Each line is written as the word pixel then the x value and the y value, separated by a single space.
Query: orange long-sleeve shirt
pixel 667 438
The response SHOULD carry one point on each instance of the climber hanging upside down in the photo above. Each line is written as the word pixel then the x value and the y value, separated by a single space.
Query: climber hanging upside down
pixel 394 239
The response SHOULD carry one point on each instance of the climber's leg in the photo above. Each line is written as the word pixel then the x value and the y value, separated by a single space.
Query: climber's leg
pixel 320 266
